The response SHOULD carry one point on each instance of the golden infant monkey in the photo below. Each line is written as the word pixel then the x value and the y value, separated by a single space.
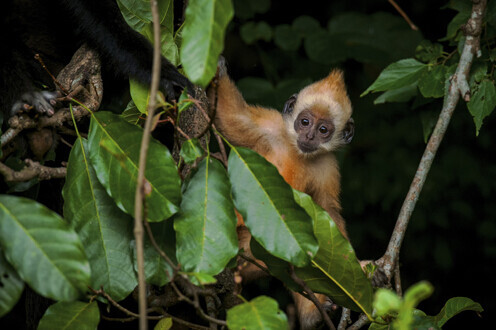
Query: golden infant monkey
pixel 300 142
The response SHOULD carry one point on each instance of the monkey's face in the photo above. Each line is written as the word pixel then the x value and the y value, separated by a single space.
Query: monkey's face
pixel 318 118
pixel 312 131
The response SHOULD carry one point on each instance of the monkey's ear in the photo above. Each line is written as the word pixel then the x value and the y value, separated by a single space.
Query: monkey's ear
pixel 289 105
pixel 349 131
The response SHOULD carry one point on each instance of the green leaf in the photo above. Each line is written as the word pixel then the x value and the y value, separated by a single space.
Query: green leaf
pixel 386 302
pixel 168 47
pixel 191 150
pixel 131 114
pixel 184 102
pixel 377 326
pixel 44 250
pixel 71 315
pixel 140 93
pixel 11 286
pixel 286 38
pixel 335 270
pixel 455 306
pixel 422 321
pixel 428 52
pixel 206 226
pixel 104 229
pixel 251 32
pixel 203 38
pixel 200 279
pixel 164 324
pixel 482 103
pixel 114 147
pixel 138 15
pixel 413 296
pixel 368 37
pixel 455 24
pixel 325 48
pixel 246 9
pixel 431 83
pixel 262 196
pixel 402 94
pixel 399 74
pixel 259 6
pixel 259 313
pixel 305 25
pixel 157 270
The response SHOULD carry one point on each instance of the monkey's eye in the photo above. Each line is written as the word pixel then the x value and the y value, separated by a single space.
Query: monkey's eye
pixel 323 130
pixel 305 122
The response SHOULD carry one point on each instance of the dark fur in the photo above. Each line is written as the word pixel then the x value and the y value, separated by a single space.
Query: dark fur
pixel 55 29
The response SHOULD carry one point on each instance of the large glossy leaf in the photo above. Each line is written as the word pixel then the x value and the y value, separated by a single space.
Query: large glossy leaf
pixel 266 202
pixel 206 226
pixel 259 313
pixel 114 147
pixel 138 15
pixel 71 315
pixel 11 286
pixel 396 75
pixel 455 306
pixel 203 38
pixel 335 270
pixel 104 229
pixel 43 249
pixel 157 270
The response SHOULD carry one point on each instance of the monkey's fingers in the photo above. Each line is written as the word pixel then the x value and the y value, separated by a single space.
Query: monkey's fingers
pixel 42 102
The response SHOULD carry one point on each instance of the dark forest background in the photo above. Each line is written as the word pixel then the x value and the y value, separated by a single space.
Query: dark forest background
pixel 451 239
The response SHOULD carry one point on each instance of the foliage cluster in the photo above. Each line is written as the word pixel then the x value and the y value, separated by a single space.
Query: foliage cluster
pixel 193 220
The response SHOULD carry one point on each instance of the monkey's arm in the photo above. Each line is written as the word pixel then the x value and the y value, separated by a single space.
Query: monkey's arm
pixel 244 125
pixel 101 25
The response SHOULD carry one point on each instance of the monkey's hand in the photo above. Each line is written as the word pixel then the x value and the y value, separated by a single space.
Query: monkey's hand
pixel 374 273
pixel 39 101
pixel 221 67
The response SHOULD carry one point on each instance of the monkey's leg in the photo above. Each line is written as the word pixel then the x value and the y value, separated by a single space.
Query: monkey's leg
pixel 308 314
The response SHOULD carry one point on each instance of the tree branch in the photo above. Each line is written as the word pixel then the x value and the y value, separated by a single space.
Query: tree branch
pixel 32 170
pixel 458 85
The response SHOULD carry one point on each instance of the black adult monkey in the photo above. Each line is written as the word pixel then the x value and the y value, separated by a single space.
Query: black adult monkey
pixel 55 29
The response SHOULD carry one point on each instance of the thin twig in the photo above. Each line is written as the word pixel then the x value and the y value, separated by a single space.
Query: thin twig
pixel 312 297
pixel 140 186
pixel 104 294
pixel 159 250
pixel 39 59
pixel 196 304
pixel 404 15
pixel 458 85
pixel 253 261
